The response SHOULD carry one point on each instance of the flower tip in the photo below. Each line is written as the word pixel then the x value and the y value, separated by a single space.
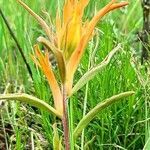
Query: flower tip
pixel 118 5
pixel 19 1
pixel 39 39
pixel 125 3
pixel 35 46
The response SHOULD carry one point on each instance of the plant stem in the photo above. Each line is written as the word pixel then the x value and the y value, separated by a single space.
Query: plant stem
pixel 65 120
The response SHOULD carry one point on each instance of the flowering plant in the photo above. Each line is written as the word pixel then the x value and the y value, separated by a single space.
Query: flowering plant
pixel 68 43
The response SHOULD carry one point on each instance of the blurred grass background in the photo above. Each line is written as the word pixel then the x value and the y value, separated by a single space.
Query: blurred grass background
pixel 122 126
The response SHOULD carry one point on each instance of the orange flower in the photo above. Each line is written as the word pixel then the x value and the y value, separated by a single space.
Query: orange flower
pixel 69 41
pixel 71 26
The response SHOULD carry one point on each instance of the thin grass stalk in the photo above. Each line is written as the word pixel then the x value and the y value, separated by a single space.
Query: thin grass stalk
pixel 16 42
pixel 4 131
pixel 65 119
pixel 84 112
pixel 85 106
pixel 71 122
pixel 90 65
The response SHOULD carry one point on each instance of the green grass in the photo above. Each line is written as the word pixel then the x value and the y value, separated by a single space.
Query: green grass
pixel 121 126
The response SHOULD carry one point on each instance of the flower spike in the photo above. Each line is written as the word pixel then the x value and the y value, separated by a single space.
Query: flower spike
pixel 71 36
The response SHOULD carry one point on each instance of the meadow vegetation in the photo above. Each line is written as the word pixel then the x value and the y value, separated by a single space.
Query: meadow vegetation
pixel 122 126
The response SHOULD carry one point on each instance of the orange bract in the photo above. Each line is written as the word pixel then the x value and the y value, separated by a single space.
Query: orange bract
pixel 71 38
pixel 43 62
pixel 78 52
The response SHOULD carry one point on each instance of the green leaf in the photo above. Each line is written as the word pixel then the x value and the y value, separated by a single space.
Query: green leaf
pixel 32 101
pixel 101 106
pixel 94 71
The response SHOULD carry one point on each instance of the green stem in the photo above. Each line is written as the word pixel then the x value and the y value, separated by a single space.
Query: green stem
pixel 84 112
pixel 71 127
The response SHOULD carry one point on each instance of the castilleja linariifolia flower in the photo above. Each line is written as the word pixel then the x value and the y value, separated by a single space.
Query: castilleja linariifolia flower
pixel 68 42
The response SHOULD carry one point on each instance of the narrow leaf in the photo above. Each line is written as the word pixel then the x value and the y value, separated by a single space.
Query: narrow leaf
pixel 59 57
pixel 43 24
pixel 94 71
pixel 32 101
pixel 101 106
